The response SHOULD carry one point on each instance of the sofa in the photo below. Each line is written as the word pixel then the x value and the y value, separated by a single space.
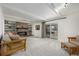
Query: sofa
pixel 12 44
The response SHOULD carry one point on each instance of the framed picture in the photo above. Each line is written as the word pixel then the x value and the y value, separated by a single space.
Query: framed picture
pixel 37 27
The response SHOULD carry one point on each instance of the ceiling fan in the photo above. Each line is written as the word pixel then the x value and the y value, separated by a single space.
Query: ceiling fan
pixel 60 16
pixel 62 6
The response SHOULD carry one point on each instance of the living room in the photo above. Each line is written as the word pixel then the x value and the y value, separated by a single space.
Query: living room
pixel 40 27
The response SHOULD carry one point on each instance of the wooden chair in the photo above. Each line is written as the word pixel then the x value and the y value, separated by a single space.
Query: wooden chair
pixel 72 45
pixel 75 41
pixel 71 48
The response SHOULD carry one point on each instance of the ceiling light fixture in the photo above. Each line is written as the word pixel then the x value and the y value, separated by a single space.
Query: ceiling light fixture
pixel 65 5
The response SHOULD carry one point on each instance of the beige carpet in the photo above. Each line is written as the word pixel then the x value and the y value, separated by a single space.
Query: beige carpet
pixel 42 47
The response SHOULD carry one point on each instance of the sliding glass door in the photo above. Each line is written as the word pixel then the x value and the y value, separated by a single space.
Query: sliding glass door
pixel 52 31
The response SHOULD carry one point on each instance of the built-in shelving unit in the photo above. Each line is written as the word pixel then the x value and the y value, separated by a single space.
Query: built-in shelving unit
pixel 23 29
pixel 10 26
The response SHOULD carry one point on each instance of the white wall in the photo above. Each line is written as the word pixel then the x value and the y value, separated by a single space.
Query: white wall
pixel 67 27
pixel 37 33
pixel 1 22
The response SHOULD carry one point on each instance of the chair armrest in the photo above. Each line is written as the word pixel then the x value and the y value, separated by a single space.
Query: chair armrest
pixel 71 39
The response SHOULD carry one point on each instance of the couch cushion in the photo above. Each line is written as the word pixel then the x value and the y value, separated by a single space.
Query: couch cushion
pixel 6 37
pixel 16 45
pixel 13 37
